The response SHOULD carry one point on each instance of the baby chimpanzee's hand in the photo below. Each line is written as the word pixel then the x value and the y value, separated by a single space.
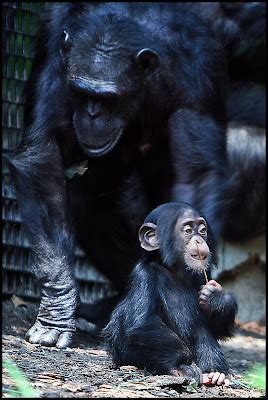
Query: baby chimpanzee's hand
pixel 211 290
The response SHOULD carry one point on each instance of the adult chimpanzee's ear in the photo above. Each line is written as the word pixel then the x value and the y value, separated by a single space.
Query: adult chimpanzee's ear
pixel 148 237
pixel 66 43
pixel 147 59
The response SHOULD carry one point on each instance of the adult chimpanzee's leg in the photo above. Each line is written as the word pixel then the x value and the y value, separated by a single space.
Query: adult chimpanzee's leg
pixel 198 151
pixel 42 199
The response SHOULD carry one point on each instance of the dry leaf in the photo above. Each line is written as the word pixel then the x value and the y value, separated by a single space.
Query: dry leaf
pixel 252 326
pixel 101 353
pixel 139 385
pixel 167 380
pixel 128 368
pixel 81 168
pixel 17 301
pixel 105 386
pixel 77 169
pixel 50 377
pixel 118 393
pixel 71 387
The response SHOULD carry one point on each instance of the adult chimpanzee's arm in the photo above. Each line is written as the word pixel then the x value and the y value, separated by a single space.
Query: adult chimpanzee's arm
pixel 137 335
pixel 41 194
pixel 38 170
pixel 197 144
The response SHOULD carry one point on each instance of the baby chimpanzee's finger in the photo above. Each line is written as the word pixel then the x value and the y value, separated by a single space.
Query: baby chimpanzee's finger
pixel 214 283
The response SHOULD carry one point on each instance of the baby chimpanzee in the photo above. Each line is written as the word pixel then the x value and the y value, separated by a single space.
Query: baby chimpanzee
pixel 169 323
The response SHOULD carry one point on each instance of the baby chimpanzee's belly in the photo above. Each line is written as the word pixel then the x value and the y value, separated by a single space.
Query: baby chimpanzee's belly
pixel 183 312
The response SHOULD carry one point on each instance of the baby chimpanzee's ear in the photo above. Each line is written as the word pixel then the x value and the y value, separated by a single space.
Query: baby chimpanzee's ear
pixel 148 237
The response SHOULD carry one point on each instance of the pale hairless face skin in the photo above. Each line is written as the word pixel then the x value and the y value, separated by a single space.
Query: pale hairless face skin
pixel 192 231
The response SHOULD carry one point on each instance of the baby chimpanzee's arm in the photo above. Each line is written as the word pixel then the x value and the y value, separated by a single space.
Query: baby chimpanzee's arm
pixel 220 308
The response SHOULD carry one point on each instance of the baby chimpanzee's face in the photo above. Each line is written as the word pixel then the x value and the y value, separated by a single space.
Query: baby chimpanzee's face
pixel 191 235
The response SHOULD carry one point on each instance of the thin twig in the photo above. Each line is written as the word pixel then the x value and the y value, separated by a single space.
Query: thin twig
pixel 204 269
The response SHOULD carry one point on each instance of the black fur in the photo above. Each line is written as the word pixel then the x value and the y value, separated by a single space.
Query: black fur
pixel 159 325
pixel 163 122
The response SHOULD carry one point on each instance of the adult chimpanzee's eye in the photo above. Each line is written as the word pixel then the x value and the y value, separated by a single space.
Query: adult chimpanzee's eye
pixel 202 229
pixel 188 230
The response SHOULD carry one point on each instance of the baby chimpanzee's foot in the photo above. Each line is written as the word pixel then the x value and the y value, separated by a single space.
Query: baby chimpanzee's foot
pixel 189 371
pixel 215 378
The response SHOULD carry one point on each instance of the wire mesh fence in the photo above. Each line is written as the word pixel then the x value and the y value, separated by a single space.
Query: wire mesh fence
pixel 19 26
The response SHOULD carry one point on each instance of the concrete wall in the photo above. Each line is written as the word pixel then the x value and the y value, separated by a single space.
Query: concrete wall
pixel 242 270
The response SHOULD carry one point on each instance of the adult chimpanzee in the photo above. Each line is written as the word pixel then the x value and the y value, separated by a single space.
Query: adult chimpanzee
pixel 245 23
pixel 241 28
pixel 166 322
pixel 136 91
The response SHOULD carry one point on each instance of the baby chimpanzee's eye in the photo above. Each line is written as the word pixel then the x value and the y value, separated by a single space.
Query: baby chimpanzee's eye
pixel 188 230
pixel 202 229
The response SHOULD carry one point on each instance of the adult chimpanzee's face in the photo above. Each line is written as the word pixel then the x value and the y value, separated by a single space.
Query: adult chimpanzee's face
pixel 104 81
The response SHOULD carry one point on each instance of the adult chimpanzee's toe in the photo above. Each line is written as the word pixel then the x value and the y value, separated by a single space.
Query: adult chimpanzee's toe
pixel 48 336
pixel 37 335
pixel 64 340
pixel 32 330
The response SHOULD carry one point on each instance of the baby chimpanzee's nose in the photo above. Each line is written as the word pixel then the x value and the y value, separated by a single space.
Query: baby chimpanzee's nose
pixel 199 248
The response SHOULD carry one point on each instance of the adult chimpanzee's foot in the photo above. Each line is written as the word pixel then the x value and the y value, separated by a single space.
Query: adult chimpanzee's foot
pixel 49 335
pixel 55 323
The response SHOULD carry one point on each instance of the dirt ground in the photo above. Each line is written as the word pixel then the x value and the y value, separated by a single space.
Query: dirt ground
pixel 86 370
